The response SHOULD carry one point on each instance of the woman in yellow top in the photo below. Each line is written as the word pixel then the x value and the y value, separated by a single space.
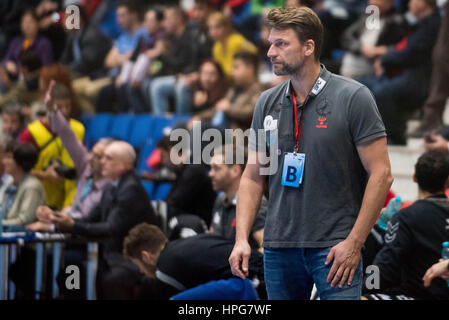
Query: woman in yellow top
pixel 226 41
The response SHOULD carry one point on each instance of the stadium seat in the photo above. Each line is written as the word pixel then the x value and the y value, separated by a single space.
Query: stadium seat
pixel 141 130
pixel 99 126
pixel 121 127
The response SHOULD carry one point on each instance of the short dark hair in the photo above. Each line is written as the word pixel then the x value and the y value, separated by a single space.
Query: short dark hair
pixel 24 154
pixel 158 11
pixel 60 91
pixel 302 20
pixel 143 236
pixel 165 143
pixel 248 58
pixel 179 12
pixel 432 171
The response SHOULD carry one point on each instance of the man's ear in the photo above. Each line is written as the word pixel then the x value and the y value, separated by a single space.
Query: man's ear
pixel 309 47
pixel 146 257
pixel 414 178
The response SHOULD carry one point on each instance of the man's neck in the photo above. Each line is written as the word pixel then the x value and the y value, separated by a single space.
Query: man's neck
pixel 424 194
pixel 232 191
pixel 17 177
pixel 304 81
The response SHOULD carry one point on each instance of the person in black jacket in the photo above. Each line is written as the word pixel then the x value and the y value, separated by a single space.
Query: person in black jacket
pixel 363 38
pixel 85 48
pixel 403 71
pixel 414 237
pixel 123 205
pixel 171 267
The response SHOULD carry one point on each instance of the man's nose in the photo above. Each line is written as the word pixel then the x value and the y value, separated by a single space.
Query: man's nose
pixel 271 51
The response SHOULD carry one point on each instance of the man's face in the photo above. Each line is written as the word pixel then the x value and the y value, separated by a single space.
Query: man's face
pixel 416 7
pixel 95 156
pixel 200 13
pixel 220 173
pixel 241 72
pixel 151 23
pixel 112 165
pixel 171 21
pixel 65 106
pixel 286 52
pixel 10 123
pixel 124 18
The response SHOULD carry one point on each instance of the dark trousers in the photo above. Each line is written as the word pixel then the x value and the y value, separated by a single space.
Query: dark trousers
pixel 397 99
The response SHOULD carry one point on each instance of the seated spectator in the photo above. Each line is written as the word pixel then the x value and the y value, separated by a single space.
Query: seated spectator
pixel 362 40
pixel 336 16
pixel 25 89
pixel 29 39
pixel 198 23
pixel 121 51
pixel 435 104
pixel 54 167
pixel 236 109
pixel 25 193
pixel 12 122
pixel 211 87
pixel 90 181
pixel 179 65
pixel 226 41
pixel 144 58
pixel 175 266
pixel 399 96
pixel 85 50
pixel 414 238
pixel 225 175
pixel 191 191
pixel 124 204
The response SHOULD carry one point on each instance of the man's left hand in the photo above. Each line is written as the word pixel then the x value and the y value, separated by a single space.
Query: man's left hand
pixel 62 221
pixel 346 257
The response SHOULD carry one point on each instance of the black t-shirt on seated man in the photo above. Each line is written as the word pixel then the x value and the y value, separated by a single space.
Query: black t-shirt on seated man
pixel 189 262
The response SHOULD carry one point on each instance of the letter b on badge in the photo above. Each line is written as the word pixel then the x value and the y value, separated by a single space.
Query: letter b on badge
pixel 293 169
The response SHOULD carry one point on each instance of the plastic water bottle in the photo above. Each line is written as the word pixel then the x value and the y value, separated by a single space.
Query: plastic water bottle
pixel 445 254
pixel 394 205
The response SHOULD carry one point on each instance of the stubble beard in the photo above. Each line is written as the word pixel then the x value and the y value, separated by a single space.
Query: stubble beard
pixel 285 69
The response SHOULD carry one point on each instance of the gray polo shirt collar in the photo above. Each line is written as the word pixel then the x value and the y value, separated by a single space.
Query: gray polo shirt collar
pixel 320 83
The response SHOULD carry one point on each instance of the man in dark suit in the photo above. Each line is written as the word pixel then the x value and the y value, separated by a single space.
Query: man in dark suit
pixel 123 205
pixel 85 48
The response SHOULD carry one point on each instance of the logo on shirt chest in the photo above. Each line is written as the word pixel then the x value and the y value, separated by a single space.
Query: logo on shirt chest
pixel 322 122
pixel 322 110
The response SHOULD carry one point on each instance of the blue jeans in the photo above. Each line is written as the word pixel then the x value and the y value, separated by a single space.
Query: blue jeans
pixel 162 88
pixel 291 272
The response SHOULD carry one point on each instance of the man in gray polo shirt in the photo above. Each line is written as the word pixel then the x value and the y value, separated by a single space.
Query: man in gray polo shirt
pixel 333 170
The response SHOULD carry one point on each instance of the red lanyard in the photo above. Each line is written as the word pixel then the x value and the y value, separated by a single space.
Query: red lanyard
pixel 298 131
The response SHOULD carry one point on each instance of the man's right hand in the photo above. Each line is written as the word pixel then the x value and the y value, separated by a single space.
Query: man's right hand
pixel 239 259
